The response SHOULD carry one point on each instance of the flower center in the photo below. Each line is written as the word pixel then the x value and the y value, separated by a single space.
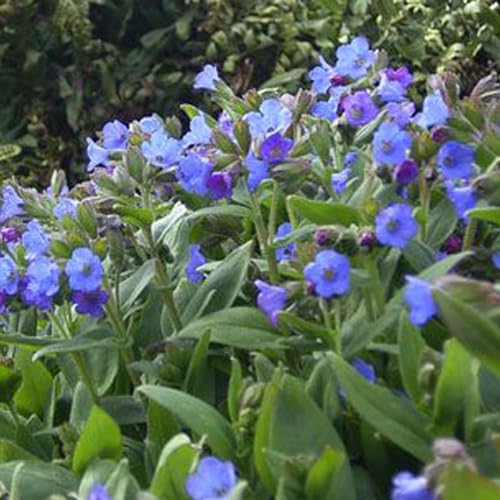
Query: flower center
pixel 329 274
pixel 448 161
pixel 386 146
pixel 86 269
pixel 356 111
pixel 159 158
pixel 392 225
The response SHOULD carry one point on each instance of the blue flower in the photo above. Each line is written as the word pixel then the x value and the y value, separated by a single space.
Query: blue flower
pixel 150 124
pixel 193 174
pixel 365 369
pixel 9 278
pixel 199 132
pixel 355 59
pixel 329 273
pixel 434 112
pixel 97 155
pixel 339 181
pixel 220 185
pixel 34 240
pixel 390 90
pixel 390 144
pixel 418 297
pixel 359 108
pixel 258 171
pixel 406 172
pixel 495 259
pixel 321 76
pixel 65 206
pixel 400 112
pixel 455 160
pixel 84 270
pixel 115 135
pixel 271 299
pixel 161 150
pixel 402 75
pixel 350 158
pixel 272 116
pixel 285 252
pixel 464 198
pixel 98 492
pixel 406 486
pixel 41 283
pixel 11 204
pixel 275 148
pixel 195 260
pixel 212 480
pixel 90 303
pixel 328 109
pixel 226 124
pixel 395 225
pixel 207 78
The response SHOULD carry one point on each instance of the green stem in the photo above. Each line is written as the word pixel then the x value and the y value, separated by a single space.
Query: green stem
pixel 330 339
pixel 338 326
pixel 470 233
pixel 273 215
pixel 168 296
pixel 424 203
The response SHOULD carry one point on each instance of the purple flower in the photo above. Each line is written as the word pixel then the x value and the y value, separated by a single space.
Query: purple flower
pixel 115 135
pixel 207 78
pixel 161 150
pixel 402 75
pixel 455 160
pixel 98 492
pixel 365 369
pixel 34 240
pixel 220 185
pixel 418 297
pixel 3 303
pixel 9 278
pixel 355 59
pixel 97 155
pixel 271 299
pixel 329 273
pixel 273 116
pixel 395 225
pixel 434 112
pixel 321 76
pixel 199 132
pixel 390 144
pixel 91 302
pixel 406 486
pixel 400 112
pixel 453 244
pixel 213 479
pixel 84 270
pixel 350 158
pixel 464 198
pixel 258 171
pixel 195 260
pixel 226 124
pixel 359 108
pixel 193 174
pixel 339 181
pixel 275 148
pixel 406 172
pixel 390 90
pixel 11 204
pixel 150 124
pixel 439 134
pixel 40 283
pixel 495 259
pixel 65 206
pixel 285 252
pixel 9 234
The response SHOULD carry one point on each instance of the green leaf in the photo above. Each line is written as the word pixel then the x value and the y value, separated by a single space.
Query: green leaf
pixel 197 373
pixel 323 475
pixel 134 285
pixel 391 415
pixel 241 327
pixel 419 255
pixel 26 340
pixel 283 78
pixel 10 451
pixel 478 334
pixel 322 212
pixel 489 214
pixel 222 210
pixel 234 390
pixel 100 438
pixel 465 484
pixel 441 223
pixel 196 415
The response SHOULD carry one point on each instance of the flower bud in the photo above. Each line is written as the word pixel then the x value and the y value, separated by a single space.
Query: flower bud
pixel 453 244
pixel 367 239
pixel 406 172
pixel 322 237
pixel 439 134
pixel 9 234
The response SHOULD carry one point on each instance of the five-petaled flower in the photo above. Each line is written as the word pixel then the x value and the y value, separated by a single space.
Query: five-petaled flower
pixel 213 479
pixel 418 297
pixel 271 299
pixel 391 144
pixel 455 160
pixel 395 225
pixel 84 270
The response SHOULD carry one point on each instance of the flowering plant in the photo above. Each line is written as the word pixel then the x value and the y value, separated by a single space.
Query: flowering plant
pixel 293 299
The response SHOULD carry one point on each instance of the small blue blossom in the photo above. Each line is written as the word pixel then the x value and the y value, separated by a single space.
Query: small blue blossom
pixel 418 297
pixel 395 225
pixel 195 260
pixel 406 172
pixel 275 148
pixel 271 299
pixel 355 59
pixel 365 369
pixel 207 78
pixel 98 492
pixel 9 277
pixel 463 198
pixel 285 252
pixel 406 486
pixel 199 132
pixel 226 124
pixel 220 185
pixel 434 112
pixel 84 270
pixel 193 174
pixel 455 160
pixel 150 124
pixel 258 171
pixel 339 181
pixel 321 76
pixel 495 259
pixel 40 283
pixel 161 150
pixel 65 206
pixel 350 158
pixel 9 234
pixel 390 144
pixel 98 156
pixel 3 305
pixel 115 135
pixel 390 90
pixel 329 273
pixel 90 303
pixel 11 204
pixel 273 116
pixel 34 240
pixel 400 112
pixel 402 75
pixel 359 108
pixel 212 480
